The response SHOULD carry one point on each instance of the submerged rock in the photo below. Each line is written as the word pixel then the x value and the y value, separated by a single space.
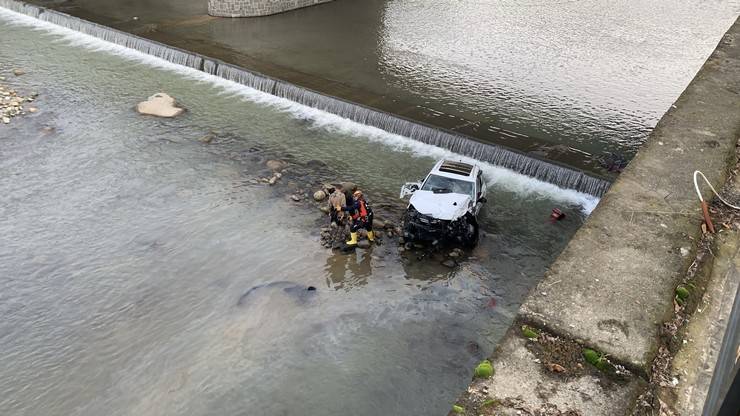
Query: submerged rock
pixel 208 138
pixel 159 105
pixel 275 165
pixel 364 244
pixel 18 72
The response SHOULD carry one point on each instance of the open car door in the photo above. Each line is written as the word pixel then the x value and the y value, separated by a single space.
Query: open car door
pixel 409 188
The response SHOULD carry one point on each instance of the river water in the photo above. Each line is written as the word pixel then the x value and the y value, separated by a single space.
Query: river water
pixel 126 244
pixel 566 80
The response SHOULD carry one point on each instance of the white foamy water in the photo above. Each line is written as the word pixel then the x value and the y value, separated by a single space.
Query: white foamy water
pixel 497 176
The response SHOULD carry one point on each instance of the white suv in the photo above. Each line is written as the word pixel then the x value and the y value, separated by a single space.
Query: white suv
pixel 444 207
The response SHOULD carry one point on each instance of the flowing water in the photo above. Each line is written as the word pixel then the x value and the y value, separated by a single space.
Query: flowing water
pixel 566 79
pixel 496 155
pixel 144 272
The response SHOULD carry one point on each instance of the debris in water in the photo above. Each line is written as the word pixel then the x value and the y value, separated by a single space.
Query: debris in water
pixel 556 215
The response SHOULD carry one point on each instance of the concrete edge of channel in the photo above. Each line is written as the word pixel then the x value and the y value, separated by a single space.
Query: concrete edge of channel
pixel 613 286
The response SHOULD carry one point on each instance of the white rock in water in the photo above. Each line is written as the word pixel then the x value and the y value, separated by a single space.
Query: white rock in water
pixel 6 120
pixel 160 105
pixel 319 195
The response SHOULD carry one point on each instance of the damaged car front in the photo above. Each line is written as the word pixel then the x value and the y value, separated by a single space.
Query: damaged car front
pixel 444 207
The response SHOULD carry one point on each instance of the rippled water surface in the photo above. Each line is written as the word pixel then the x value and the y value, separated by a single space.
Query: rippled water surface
pixel 590 76
pixel 126 244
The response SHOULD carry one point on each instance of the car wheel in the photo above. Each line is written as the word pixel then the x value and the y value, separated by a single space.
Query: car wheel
pixel 470 238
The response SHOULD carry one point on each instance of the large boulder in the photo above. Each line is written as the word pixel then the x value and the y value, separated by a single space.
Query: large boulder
pixel 160 105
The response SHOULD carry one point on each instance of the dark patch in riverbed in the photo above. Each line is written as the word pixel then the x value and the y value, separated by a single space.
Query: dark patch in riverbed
pixel 300 293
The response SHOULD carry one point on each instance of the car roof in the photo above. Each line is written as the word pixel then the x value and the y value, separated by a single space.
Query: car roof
pixel 455 169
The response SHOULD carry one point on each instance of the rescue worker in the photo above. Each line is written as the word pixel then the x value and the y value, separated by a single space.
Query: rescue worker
pixel 362 217
pixel 336 199
pixel 348 188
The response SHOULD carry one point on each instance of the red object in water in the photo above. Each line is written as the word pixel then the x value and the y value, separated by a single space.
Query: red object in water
pixel 556 215
pixel 491 303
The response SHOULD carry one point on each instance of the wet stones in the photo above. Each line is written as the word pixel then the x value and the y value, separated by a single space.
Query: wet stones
pixel 319 196
pixel 276 165
pixel 11 104
pixel 160 105
pixel 449 263
pixel 18 72
pixel 208 138
pixel 333 236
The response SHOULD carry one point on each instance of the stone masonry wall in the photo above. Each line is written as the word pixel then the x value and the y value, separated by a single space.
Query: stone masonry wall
pixel 246 8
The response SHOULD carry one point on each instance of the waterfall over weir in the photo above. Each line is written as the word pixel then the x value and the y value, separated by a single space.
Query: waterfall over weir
pixel 546 171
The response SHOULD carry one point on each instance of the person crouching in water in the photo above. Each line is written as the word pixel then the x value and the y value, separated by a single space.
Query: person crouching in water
pixel 336 199
pixel 362 217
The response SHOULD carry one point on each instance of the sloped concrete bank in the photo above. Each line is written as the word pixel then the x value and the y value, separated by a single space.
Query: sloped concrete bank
pixel 614 286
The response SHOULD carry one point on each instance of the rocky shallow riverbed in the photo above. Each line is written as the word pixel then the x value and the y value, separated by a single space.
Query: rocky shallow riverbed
pixel 305 184
pixel 12 102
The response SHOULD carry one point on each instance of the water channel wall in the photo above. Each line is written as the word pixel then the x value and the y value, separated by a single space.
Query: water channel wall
pixel 544 170
pixel 614 286
pixel 251 8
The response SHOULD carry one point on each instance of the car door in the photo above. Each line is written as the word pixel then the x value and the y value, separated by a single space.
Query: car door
pixel 480 189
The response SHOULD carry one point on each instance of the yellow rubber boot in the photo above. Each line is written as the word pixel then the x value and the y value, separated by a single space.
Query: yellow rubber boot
pixel 352 239
pixel 371 236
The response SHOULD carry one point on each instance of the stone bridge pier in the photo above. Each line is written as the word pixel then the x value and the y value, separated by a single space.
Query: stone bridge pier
pixel 247 8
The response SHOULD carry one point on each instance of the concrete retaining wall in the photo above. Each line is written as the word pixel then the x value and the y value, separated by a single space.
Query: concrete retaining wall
pixel 247 8
pixel 613 286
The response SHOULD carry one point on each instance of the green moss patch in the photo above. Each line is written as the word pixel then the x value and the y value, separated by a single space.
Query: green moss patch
pixel 457 409
pixel 530 332
pixel 596 359
pixel 682 293
pixel 484 369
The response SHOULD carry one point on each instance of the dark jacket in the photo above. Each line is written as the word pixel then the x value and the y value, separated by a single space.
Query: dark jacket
pixel 354 208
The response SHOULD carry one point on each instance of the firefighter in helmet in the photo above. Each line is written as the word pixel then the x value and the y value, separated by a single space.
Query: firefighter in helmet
pixel 361 215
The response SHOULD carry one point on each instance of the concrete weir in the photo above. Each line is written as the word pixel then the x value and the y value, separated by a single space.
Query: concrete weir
pixel 531 165
pixel 613 286
pixel 252 8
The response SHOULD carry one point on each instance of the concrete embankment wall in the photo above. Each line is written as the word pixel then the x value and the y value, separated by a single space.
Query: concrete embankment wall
pixel 613 286
pixel 249 8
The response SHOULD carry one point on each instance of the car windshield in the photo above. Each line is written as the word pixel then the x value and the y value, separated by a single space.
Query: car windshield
pixel 442 185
